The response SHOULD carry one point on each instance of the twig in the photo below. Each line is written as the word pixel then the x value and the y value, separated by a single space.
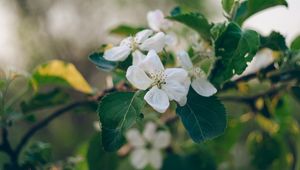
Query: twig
pixel 45 122
pixel 261 73
pixel 6 147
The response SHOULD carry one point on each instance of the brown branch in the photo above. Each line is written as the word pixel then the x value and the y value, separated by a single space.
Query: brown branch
pixel 46 121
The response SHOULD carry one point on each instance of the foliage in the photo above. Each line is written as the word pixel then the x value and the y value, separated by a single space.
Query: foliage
pixel 202 118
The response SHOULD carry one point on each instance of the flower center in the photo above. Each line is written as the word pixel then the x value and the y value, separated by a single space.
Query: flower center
pixel 134 44
pixel 159 78
pixel 196 72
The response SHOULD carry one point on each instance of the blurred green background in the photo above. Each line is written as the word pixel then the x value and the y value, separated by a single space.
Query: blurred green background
pixel 34 31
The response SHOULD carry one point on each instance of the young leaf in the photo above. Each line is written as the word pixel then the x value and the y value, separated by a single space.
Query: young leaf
pixel 251 7
pixel 125 30
pixel 275 41
pixel 296 43
pixel 57 72
pixel 234 48
pixel 196 21
pixel 227 5
pixel 118 111
pixel 203 117
pixel 101 63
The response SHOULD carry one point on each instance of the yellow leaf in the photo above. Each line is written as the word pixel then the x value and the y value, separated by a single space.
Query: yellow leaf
pixel 64 71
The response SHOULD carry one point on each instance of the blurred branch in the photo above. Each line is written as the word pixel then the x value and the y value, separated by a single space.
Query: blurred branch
pixel 46 121
pixel 6 148
pixel 259 74
pixel 247 99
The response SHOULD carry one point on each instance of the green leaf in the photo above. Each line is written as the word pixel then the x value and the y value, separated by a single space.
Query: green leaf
pixel 264 150
pixel 234 48
pixel 296 43
pixel 97 158
pixel 45 100
pixel 196 21
pixel 101 63
pixel 227 5
pixel 296 92
pixel 251 7
pixel 275 41
pixel 203 117
pixel 36 155
pixel 125 30
pixel 118 111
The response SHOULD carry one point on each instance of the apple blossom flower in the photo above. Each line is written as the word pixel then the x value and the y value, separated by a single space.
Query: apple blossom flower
pixel 157 22
pixel 164 84
pixel 147 146
pixel 143 41
pixel 199 81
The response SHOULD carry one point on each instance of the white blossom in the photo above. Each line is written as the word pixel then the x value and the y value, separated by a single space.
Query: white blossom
pixel 143 41
pixel 157 22
pixel 147 146
pixel 164 84
pixel 199 81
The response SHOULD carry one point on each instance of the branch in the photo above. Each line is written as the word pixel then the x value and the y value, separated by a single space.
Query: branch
pixel 261 73
pixel 46 121
pixel 6 147
pixel 249 99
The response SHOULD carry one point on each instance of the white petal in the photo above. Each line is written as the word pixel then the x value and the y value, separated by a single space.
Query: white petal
pixel 155 19
pixel 156 42
pixel 143 35
pixel 127 42
pixel 162 139
pixel 171 39
pixel 135 138
pixel 152 63
pixel 157 99
pixel 182 101
pixel 155 158
pixel 138 78
pixel 177 84
pixel 139 158
pixel 203 87
pixel 119 53
pixel 185 60
pixel 149 131
pixel 137 57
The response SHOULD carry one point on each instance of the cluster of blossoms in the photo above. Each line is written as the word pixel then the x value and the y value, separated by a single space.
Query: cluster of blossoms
pixel 147 71
pixel 147 146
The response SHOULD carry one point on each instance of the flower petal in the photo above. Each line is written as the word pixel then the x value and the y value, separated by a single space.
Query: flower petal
pixel 155 158
pixel 162 139
pixel 182 101
pixel 127 42
pixel 177 84
pixel 135 138
pixel 119 53
pixel 156 42
pixel 138 78
pixel 203 87
pixel 171 39
pixel 151 64
pixel 137 57
pixel 149 131
pixel 139 158
pixel 185 60
pixel 143 35
pixel 155 19
pixel 157 99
